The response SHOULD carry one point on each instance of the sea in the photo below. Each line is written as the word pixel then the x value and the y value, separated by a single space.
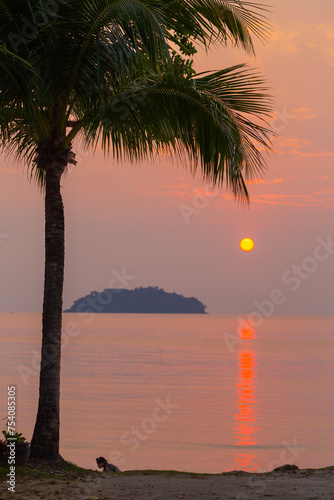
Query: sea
pixel 200 393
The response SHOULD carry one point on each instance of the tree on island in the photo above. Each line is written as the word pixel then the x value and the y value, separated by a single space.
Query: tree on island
pixel 119 74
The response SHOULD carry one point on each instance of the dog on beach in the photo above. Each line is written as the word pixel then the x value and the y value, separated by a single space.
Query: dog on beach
pixel 103 464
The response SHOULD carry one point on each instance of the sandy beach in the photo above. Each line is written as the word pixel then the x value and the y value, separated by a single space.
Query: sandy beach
pixel 304 484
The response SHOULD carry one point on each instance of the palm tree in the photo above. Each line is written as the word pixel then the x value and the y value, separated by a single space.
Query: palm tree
pixel 116 73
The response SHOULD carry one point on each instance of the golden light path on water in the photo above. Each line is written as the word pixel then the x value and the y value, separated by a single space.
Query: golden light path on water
pixel 245 418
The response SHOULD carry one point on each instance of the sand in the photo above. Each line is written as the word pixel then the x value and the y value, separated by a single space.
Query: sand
pixel 302 484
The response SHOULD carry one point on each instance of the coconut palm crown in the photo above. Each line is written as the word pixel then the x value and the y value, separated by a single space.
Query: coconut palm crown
pixel 116 73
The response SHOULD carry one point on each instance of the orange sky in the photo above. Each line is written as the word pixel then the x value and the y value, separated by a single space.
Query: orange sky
pixel 167 229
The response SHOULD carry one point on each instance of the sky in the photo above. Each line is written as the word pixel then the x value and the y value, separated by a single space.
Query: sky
pixel 154 224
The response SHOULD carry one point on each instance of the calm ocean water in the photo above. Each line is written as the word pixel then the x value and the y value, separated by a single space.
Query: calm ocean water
pixel 186 392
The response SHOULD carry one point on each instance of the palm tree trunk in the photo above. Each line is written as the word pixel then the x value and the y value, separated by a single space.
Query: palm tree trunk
pixel 45 440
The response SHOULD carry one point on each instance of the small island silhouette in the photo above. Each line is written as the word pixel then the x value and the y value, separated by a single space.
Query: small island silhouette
pixel 150 300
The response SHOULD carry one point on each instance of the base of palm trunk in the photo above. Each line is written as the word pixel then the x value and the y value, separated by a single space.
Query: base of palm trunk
pixel 41 453
pixel 36 459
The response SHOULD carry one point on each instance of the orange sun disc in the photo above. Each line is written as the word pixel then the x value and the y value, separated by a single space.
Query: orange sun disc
pixel 246 244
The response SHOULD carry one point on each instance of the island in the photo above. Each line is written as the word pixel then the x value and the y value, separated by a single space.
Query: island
pixel 150 300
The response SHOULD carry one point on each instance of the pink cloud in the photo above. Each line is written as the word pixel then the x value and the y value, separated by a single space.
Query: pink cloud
pixel 312 155
pixel 319 199
pixel 262 181
pixel 180 190
pixel 300 147
pixel 318 38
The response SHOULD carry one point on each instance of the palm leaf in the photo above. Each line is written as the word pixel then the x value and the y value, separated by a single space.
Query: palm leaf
pixel 207 118
pixel 102 69
pixel 216 20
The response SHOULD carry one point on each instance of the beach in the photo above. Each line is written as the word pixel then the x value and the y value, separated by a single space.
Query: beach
pixel 306 484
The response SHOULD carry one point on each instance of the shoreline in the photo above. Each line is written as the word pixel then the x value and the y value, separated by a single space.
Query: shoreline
pixel 85 484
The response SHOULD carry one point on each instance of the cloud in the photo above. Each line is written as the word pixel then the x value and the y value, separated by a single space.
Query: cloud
pixel 302 114
pixel 179 189
pixel 325 42
pixel 299 201
pixel 299 110
pixel 185 191
pixel 291 141
pixel 318 38
pixel 262 181
pixel 321 199
pixel 300 147
pixel 283 199
pixel 305 154
pixel 285 40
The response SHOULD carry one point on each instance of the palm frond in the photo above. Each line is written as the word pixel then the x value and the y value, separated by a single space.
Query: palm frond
pixel 103 69
pixel 206 118
pixel 218 21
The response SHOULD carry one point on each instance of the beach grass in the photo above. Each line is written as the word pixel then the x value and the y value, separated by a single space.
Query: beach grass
pixel 70 471
pixel 64 470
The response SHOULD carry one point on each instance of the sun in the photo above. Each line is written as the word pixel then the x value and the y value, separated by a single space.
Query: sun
pixel 246 244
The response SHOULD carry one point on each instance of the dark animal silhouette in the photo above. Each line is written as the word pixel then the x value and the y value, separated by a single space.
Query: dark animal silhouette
pixel 102 463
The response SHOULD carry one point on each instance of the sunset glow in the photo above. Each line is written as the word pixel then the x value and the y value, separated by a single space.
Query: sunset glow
pixel 170 217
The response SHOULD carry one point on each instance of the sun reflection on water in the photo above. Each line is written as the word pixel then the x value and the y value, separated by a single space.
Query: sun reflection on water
pixel 246 426
pixel 247 333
